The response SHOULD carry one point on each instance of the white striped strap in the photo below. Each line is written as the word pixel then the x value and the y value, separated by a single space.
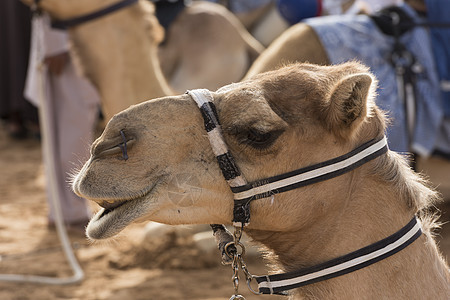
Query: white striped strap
pixel 311 174
pixel 278 283
pixel 230 171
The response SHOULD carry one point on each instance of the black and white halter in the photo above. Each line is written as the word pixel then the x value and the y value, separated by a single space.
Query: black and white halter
pixel 245 192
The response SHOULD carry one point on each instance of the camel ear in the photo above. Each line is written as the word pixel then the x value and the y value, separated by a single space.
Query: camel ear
pixel 347 105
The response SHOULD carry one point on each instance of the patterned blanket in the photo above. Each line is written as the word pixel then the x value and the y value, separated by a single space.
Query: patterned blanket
pixel 356 37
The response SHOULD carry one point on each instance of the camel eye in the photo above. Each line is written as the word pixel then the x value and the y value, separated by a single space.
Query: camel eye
pixel 261 140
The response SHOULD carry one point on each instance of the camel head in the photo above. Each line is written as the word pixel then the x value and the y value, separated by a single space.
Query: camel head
pixel 154 161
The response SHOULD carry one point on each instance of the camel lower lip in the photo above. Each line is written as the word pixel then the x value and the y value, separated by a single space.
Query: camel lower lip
pixel 108 222
pixel 107 210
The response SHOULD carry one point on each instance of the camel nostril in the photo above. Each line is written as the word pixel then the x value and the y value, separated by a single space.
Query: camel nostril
pixel 114 147
pixel 123 146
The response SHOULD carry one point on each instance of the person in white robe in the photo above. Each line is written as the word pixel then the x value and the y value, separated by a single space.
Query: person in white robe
pixel 69 107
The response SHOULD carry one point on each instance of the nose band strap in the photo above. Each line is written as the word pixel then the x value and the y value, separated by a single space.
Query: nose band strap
pixel 230 171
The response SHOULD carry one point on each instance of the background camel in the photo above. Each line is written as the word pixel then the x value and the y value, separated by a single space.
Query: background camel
pixel 273 123
pixel 119 52
pixel 206 37
pixel 123 74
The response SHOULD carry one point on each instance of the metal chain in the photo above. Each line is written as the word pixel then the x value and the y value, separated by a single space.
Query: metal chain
pixel 238 262
pixel 235 278
pixel 248 276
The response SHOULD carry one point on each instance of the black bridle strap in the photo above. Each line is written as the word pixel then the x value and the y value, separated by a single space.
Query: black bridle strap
pixel 64 24
pixel 278 283
pixel 311 174
pixel 230 171
pixel 245 192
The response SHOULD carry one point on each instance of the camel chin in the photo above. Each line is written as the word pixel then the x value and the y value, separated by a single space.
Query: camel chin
pixel 113 218
pixel 108 222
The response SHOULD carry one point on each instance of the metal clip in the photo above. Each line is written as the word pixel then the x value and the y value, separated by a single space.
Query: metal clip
pixel 235 250
pixel 248 276
pixel 237 297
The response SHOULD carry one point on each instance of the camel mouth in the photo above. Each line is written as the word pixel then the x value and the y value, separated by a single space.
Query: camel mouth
pixel 108 222
pixel 112 218
pixel 111 206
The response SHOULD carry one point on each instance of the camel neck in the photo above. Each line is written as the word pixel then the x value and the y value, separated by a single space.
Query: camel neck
pixel 354 219
pixel 64 24
pixel 364 257
pixel 123 74
pixel 367 215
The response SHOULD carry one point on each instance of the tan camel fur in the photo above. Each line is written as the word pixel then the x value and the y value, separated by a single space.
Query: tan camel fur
pixel 119 52
pixel 300 43
pixel 274 123
pixel 105 49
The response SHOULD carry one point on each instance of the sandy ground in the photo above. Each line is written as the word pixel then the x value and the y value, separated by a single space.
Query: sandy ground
pixel 126 268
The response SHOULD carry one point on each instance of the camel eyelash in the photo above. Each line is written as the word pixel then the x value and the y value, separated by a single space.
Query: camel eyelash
pixel 255 138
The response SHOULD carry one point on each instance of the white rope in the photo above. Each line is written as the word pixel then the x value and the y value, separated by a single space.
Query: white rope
pixel 54 189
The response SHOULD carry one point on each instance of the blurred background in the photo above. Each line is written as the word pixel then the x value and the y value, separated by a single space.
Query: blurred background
pixel 81 67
